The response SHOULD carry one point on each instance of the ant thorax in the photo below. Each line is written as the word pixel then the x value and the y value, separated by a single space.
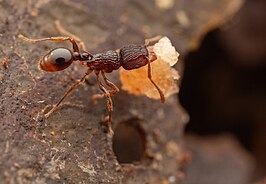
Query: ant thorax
pixel 106 61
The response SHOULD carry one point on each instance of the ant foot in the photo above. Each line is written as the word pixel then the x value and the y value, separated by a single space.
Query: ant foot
pixel 95 97
pixel 108 124
pixel 110 130
pixel 46 115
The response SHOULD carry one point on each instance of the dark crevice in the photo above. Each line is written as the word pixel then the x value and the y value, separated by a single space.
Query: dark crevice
pixel 129 141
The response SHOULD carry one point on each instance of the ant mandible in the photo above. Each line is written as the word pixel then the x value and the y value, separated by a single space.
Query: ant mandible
pixel 129 57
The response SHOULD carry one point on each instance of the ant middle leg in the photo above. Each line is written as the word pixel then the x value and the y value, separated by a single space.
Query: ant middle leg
pixel 114 89
pixel 109 103
pixel 69 91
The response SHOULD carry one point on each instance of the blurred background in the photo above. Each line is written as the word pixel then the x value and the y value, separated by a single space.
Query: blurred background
pixel 224 83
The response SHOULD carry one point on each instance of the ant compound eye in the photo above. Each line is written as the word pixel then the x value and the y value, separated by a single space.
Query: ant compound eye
pixel 60 56
pixel 56 60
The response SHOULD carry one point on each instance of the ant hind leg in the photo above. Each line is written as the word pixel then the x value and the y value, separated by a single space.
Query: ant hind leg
pixel 69 91
pixel 153 39
pixel 157 87
pixel 109 103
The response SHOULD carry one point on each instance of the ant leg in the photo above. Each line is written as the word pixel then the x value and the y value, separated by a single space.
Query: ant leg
pixel 74 86
pixel 157 87
pixel 55 39
pixel 95 97
pixel 152 58
pixel 153 39
pixel 63 31
pixel 150 48
pixel 110 84
pixel 114 89
pixel 109 103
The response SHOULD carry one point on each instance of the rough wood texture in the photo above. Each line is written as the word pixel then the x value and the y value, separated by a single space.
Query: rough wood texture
pixel 71 146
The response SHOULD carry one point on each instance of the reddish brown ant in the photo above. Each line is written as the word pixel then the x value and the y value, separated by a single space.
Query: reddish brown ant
pixel 129 57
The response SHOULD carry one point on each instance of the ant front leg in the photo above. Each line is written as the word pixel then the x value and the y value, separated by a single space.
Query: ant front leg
pixel 69 91
pixel 63 31
pixel 55 39
pixel 109 102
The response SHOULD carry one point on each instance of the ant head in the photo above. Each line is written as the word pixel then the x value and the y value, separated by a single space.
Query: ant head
pixel 57 59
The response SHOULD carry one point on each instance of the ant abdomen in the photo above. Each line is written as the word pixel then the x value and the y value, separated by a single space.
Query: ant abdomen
pixel 134 56
pixel 56 60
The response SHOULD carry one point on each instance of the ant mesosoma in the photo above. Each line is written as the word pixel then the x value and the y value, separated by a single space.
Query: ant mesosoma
pixel 129 57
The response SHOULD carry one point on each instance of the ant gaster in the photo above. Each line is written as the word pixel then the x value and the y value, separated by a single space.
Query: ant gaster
pixel 129 57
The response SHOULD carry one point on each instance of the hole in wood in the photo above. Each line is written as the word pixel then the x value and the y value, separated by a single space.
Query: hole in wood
pixel 129 142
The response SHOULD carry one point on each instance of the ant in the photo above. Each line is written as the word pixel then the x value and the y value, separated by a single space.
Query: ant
pixel 129 57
